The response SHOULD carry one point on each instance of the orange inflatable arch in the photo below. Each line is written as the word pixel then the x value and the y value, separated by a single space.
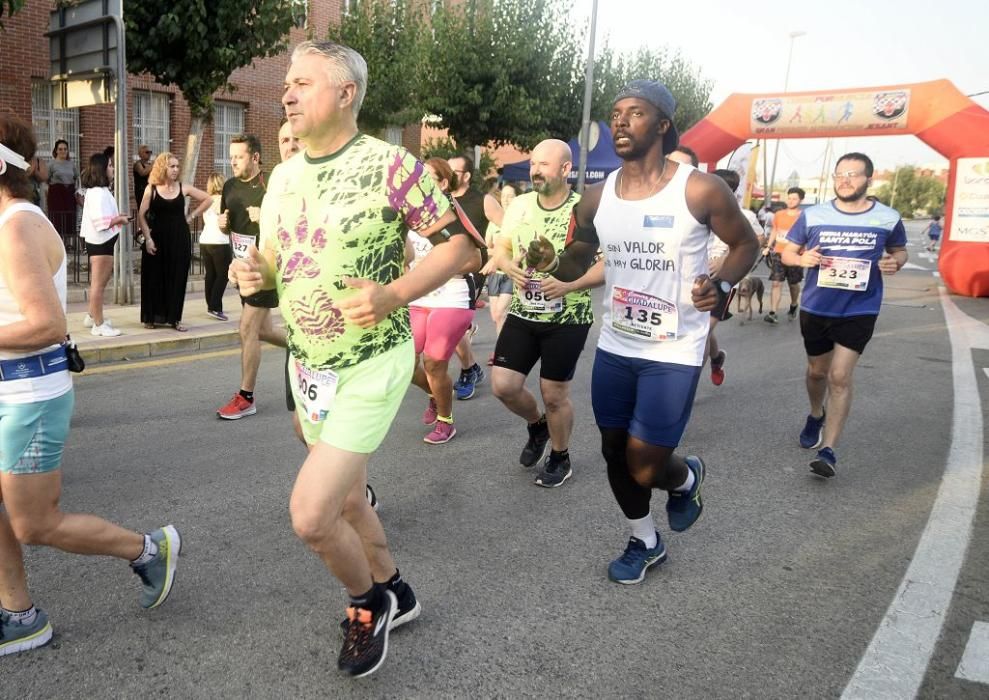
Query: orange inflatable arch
pixel 936 112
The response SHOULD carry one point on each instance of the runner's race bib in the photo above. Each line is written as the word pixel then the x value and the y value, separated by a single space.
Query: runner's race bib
pixel 643 316
pixel 240 243
pixel 533 300
pixel 851 274
pixel 315 389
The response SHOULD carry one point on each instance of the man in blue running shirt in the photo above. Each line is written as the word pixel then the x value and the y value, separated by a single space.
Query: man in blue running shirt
pixel 847 245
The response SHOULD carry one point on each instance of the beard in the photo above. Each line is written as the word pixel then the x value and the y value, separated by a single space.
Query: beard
pixel 854 196
pixel 546 186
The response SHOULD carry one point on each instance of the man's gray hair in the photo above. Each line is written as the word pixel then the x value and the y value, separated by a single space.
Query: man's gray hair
pixel 345 65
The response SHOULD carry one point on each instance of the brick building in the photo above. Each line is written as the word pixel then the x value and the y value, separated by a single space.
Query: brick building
pixel 159 115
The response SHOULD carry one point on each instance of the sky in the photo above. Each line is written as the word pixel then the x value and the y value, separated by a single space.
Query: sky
pixel 743 46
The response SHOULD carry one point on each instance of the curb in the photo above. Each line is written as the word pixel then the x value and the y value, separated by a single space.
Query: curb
pixel 140 350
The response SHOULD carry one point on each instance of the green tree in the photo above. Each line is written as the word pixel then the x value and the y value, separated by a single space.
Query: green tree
pixel 196 46
pixel 503 71
pixel 10 7
pixel 691 90
pixel 910 192
pixel 389 36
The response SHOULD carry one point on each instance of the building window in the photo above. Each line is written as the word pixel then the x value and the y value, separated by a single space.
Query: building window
pixel 151 121
pixel 300 13
pixel 53 124
pixel 228 121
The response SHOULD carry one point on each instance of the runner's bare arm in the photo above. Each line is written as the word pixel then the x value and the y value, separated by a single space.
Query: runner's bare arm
pixel 793 256
pixel 493 210
pixel 27 271
pixel 582 241
pixel 204 200
pixel 893 260
pixel 709 197
pixel 553 288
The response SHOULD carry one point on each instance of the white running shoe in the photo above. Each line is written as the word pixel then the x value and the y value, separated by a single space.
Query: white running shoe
pixel 105 330
pixel 87 321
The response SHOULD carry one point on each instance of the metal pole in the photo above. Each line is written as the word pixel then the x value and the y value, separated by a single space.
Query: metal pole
pixel 585 125
pixel 786 85
pixel 122 269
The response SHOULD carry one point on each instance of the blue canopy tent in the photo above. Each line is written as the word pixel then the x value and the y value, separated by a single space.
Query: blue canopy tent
pixel 601 159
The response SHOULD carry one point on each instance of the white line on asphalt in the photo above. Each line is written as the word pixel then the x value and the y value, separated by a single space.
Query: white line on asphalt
pixel 986 370
pixel 896 661
pixel 975 661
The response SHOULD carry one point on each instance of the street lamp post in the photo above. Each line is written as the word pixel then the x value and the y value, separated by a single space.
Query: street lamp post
pixel 585 124
pixel 786 85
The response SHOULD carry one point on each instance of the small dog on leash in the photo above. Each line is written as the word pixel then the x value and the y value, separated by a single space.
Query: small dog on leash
pixel 748 287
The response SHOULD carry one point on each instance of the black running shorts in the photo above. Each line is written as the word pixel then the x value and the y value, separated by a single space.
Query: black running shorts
pixel 821 333
pixel 522 343
pixel 265 299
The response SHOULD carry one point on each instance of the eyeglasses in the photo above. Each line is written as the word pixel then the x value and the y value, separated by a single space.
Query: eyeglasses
pixel 849 175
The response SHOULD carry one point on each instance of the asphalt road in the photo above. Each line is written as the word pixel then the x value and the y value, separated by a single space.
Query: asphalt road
pixel 774 593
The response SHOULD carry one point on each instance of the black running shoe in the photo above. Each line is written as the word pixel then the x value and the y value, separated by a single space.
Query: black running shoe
pixel 408 608
pixel 535 448
pixel 366 644
pixel 554 473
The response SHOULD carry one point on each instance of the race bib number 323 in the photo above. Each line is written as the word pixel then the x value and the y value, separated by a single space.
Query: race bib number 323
pixel 643 316
pixel 844 273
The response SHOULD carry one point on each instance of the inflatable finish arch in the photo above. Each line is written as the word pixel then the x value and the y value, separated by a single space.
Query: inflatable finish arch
pixel 935 112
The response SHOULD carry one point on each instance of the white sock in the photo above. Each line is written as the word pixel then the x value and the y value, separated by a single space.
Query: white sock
pixel 25 617
pixel 150 550
pixel 644 529
pixel 688 484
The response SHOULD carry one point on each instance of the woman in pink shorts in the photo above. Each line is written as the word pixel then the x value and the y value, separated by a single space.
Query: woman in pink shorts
pixel 439 321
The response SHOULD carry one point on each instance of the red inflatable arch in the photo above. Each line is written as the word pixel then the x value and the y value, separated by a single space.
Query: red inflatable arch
pixel 935 112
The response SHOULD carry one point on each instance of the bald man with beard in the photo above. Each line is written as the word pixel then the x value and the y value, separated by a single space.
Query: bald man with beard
pixel 539 328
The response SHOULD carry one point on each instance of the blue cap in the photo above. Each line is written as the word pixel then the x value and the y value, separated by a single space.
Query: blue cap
pixel 660 97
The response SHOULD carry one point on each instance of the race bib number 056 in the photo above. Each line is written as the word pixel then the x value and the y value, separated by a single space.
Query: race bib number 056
pixel 240 244
pixel 534 301
pixel 851 274
pixel 315 389
pixel 643 316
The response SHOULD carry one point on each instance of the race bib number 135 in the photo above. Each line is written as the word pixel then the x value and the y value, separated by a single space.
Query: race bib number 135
pixel 643 316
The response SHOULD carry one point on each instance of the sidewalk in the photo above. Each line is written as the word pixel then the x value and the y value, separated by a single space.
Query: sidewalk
pixel 136 342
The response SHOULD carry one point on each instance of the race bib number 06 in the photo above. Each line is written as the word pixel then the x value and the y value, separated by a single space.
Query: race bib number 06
pixel 533 300
pixel 240 243
pixel 851 274
pixel 316 390
pixel 643 316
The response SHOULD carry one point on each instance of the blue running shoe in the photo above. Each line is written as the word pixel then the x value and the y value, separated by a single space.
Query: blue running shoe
pixel 825 463
pixel 464 386
pixel 813 432
pixel 631 566
pixel 683 509
pixel 15 637
pixel 158 575
pixel 478 373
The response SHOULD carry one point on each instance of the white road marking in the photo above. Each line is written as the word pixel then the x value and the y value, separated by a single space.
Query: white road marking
pixel 975 661
pixel 913 266
pixel 896 660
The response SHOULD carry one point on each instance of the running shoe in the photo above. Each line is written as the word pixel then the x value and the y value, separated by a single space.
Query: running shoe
pixel 87 321
pixel 535 446
pixel 408 607
pixel 718 368
pixel 791 314
pixel 683 508
pixel 366 644
pixel 429 415
pixel 771 318
pixel 372 497
pixel 825 463
pixel 105 330
pixel 813 432
pixel 631 566
pixel 478 373
pixel 158 575
pixel 218 315
pixel 238 407
pixel 554 472
pixel 442 432
pixel 15 637
pixel 469 379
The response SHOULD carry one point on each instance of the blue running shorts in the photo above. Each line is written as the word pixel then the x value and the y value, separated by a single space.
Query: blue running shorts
pixel 652 400
pixel 32 435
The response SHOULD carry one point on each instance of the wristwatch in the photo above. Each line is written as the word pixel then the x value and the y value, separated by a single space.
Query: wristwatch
pixel 723 286
pixel 724 289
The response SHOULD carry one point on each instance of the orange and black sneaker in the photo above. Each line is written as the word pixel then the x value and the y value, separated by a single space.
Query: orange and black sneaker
pixel 366 644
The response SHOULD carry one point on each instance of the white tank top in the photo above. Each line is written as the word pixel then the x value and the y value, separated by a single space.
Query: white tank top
pixel 454 294
pixel 653 249
pixel 37 388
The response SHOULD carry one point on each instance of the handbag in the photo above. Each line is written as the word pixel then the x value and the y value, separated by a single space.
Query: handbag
pixel 149 216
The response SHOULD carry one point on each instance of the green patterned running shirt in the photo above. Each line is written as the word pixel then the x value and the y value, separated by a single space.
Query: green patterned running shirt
pixel 524 220
pixel 344 215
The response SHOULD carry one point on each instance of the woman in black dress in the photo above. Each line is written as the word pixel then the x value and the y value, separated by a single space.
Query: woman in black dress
pixel 167 249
